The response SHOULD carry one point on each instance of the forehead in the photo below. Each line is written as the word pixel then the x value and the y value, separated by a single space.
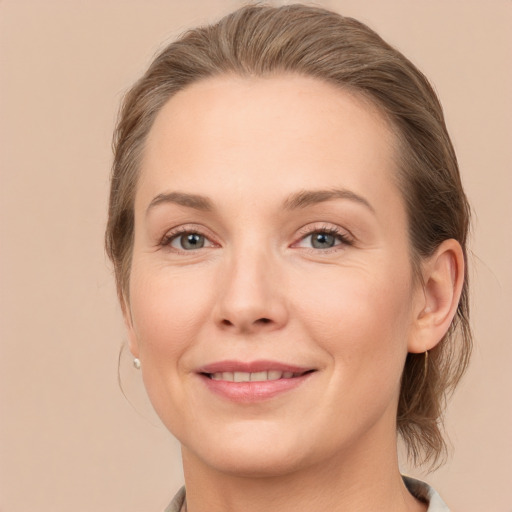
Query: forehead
pixel 289 131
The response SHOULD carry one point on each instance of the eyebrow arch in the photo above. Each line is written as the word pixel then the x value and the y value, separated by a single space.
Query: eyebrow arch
pixel 307 198
pixel 295 201
pixel 183 199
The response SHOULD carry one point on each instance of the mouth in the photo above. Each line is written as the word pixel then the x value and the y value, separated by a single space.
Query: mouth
pixel 254 381
pixel 262 376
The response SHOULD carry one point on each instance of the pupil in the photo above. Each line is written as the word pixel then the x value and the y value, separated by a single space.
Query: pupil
pixel 192 241
pixel 323 240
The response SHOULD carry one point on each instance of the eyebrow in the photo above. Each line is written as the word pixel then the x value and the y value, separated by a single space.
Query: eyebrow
pixel 307 198
pixel 298 200
pixel 183 199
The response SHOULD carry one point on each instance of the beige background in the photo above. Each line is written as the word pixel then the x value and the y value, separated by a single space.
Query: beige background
pixel 68 438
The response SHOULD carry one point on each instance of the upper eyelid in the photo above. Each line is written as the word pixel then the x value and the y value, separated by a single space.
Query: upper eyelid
pixel 177 231
pixel 310 228
pixel 166 243
pixel 344 235
pixel 302 232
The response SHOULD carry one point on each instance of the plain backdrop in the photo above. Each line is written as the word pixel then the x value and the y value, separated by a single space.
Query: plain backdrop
pixel 69 440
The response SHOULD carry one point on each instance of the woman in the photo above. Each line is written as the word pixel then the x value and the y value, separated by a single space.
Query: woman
pixel 288 227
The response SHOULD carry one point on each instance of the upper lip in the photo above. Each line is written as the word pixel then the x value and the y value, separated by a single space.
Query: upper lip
pixel 251 367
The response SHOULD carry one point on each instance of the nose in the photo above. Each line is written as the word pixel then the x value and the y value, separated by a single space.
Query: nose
pixel 251 297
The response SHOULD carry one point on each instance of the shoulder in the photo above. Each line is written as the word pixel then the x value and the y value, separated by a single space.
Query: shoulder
pixel 177 501
pixel 417 488
pixel 425 493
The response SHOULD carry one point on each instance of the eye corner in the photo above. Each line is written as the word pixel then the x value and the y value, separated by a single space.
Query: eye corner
pixel 187 239
pixel 334 237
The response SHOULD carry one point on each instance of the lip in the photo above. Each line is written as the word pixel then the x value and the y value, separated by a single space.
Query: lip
pixel 255 391
pixel 251 367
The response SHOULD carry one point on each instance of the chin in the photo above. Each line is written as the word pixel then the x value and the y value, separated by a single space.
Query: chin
pixel 255 453
pixel 264 464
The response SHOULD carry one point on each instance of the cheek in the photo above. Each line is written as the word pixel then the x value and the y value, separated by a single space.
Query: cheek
pixel 168 309
pixel 361 318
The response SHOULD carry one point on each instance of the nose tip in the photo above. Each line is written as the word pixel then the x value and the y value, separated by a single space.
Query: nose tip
pixel 250 298
pixel 260 321
pixel 248 318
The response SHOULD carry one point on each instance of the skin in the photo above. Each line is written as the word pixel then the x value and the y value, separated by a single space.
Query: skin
pixel 258 289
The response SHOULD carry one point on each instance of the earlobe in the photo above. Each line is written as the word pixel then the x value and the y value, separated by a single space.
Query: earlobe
pixel 443 277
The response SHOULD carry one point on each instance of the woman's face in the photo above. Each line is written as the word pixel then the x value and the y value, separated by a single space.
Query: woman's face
pixel 271 292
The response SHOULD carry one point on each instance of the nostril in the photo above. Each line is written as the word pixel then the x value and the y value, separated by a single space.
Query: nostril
pixel 246 325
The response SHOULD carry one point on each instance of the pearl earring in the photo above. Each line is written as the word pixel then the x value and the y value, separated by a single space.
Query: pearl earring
pixel 136 363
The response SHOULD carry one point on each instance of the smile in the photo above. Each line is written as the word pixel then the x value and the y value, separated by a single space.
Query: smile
pixel 254 377
pixel 252 382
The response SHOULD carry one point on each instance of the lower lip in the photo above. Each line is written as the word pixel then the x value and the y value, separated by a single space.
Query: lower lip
pixel 247 392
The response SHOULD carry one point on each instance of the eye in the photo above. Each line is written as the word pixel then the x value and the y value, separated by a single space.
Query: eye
pixel 327 238
pixel 186 241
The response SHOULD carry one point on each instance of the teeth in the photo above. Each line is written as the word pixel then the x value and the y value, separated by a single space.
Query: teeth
pixel 241 377
pixel 253 377
pixel 258 376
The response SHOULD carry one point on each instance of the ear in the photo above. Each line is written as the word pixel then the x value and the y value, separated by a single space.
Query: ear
pixel 443 277
pixel 133 343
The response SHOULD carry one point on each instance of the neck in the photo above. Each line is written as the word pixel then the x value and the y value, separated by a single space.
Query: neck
pixel 347 481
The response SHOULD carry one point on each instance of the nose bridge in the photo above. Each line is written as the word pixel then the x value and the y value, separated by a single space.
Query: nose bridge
pixel 250 297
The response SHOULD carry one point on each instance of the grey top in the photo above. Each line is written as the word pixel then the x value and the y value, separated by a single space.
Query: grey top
pixel 419 489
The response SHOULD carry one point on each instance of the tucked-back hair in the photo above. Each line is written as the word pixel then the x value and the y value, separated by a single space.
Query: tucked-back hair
pixel 263 41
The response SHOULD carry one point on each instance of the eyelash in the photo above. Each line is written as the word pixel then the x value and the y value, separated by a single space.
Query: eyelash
pixel 170 236
pixel 341 236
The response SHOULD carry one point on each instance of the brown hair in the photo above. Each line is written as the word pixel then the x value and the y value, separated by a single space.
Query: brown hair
pixel 262 40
